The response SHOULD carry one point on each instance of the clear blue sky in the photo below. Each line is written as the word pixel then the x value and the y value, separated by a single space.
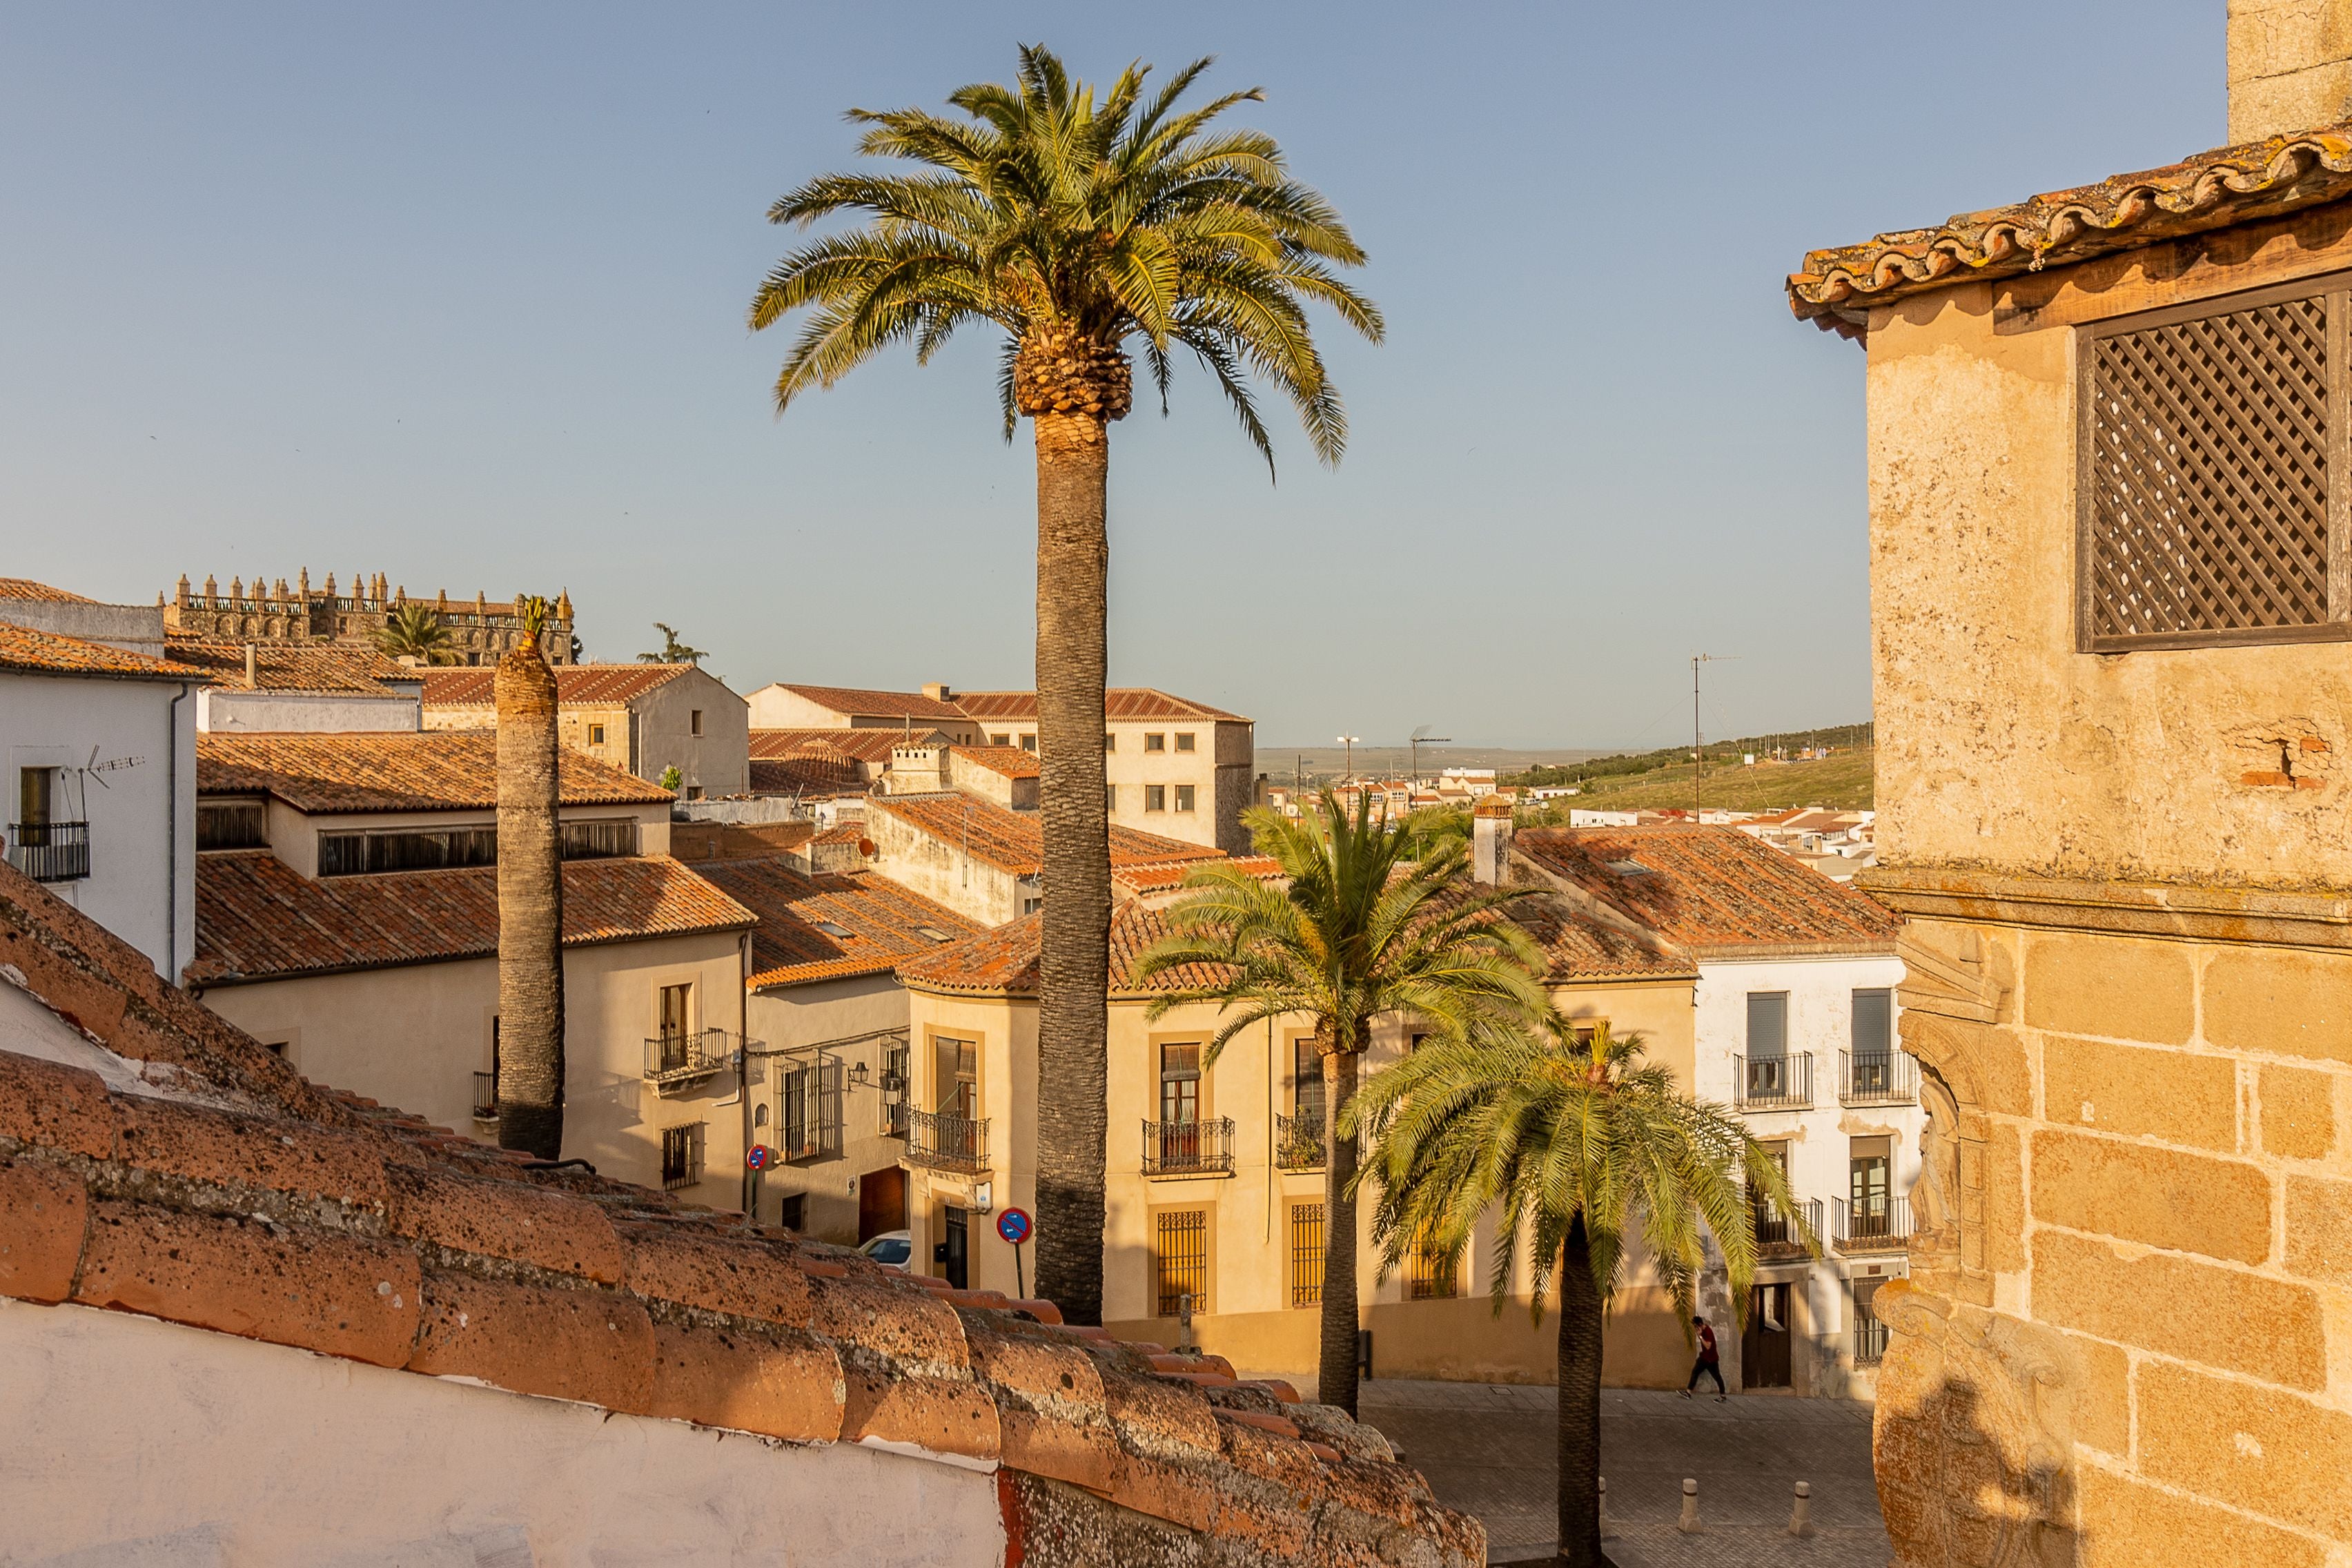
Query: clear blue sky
pixel 456 292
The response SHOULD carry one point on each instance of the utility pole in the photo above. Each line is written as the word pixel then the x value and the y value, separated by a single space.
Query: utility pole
pixel 1698 745
pixel 1349 742
pixel 1422 737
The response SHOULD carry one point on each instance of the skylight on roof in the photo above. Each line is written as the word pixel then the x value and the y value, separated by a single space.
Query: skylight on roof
pixel 830 928
pixel 1629 868
pixel 934 933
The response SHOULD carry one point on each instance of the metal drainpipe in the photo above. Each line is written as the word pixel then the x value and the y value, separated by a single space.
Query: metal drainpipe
pixel 171 836
pixel 744 1066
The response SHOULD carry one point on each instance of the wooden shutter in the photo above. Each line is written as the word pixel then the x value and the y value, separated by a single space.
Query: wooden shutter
pixel 1873 1022
pixel 2213 471
pixel 1768 1024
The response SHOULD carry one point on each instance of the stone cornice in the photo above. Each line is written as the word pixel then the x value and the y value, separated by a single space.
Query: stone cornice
pixel 2179 910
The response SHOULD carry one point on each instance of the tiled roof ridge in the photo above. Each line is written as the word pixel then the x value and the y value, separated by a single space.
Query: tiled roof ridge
pixel 2210 190
pixel 303 1218
pixel 1781 905
pixel 25 588
pixel 470 685
pixel 323 774
pixel 31 651
pixel 856 699
pixel 1011 762
pixel 1141 703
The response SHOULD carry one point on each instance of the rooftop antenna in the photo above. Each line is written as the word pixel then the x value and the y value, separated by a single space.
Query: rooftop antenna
pixel 1698 745
pixel 1349 742
pixel 1422 737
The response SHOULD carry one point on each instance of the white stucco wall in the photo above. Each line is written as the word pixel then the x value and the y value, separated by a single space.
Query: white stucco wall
pixel 1821 1018
pixel 142 811
pixel 222 711
pixel 138 1444
pixel 136 629
pixel 856 1009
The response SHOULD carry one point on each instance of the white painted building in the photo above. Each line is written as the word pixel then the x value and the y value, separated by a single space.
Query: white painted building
pixel 98 738
pixel 1794 1030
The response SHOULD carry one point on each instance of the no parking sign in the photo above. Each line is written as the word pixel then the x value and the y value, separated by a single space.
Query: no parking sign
pixel 1014 1225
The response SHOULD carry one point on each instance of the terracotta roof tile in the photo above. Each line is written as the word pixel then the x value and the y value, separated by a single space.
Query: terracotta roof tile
pixel 2212 190
pixel 470 685
pixel 830 925
pixel 869 746
pixel 1120 702
pixel 259 919
pixel 1010 761
pixel 862 702
pixel 564 1284
pixel 1004 959
pixel 438 770
pixel 1711 892
pixel 1014 840
pixel 32 652
pixel 25 588
pixel 296 667
pixel 1167 876
pixel 812 772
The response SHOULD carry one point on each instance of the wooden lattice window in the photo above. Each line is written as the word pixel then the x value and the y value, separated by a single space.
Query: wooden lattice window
pixel 2215 483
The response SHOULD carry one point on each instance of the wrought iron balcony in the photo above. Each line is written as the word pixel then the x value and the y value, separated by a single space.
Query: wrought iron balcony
pixel 50 851
pixel 1869 1341
pixel 486 1096
pixel 1773 1083
pixel 1188 1147
pixel 1880 1224
pixel 1298 1142
pixel 946 1143
pixel 1877 1077
pixel 1778 1236
pixel 679 1061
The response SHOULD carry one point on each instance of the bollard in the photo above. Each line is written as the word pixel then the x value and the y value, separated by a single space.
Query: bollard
pixel 1606 1534
pixel 1800 1512
pixel 1688 1523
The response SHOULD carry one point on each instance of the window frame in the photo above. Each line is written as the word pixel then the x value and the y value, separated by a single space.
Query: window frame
pixel 1203 1298
pixel 1155 740
pixel 1184 740
pixel 1155 797
pixel 1187 796
pixel 2334 288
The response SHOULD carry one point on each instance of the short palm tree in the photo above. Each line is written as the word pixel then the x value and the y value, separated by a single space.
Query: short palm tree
pixel 1076 223
pixel 414 631
pixel 1574 1144
pixel 531 899
pixel 1359 934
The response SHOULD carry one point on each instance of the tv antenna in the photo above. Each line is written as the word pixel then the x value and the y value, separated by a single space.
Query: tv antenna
pixel 1422 737
pixel 1699 744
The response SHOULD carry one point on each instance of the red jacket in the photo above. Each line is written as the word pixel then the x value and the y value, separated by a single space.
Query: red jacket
pixel 1706 1342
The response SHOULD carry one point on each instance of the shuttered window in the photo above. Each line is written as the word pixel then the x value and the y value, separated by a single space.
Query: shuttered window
pixel 2213 473
pixel 1768 1023
pixel 1873 1022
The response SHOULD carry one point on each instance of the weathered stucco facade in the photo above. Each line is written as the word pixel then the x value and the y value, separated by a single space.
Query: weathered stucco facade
pixel 2127 1333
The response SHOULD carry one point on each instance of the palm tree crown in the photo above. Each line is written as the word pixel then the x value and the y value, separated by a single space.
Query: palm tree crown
pixel 414 631
pixel 1359 933
pixel 1074 223
pixel 1574 1143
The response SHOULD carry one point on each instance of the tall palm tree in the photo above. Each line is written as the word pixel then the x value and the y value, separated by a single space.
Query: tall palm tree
pixel 531 899
pixel 414 631
pixel 1359 934
pixel 1574 1143
pixel 1075 223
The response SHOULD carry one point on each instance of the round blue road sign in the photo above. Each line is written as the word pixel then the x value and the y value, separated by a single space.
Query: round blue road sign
pixel 1014 1225
pixel 759 1157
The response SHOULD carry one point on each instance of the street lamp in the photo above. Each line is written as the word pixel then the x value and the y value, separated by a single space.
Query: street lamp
pixel 1349 742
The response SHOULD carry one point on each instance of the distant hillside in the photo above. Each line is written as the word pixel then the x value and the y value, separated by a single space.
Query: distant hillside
pixel 1841 781
pixel 1639 764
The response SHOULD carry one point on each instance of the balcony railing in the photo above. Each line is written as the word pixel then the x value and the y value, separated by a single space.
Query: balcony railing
pixel 1188 1147
pixel 1882 1225
pixel 1778 1236
pixel 1773 1083
pixel 1877 1077
pixel 1298 1142
pixel 486 1096
pixel 50 851
pixel 677 1061
pixel 1869 1341
pixel 946 1143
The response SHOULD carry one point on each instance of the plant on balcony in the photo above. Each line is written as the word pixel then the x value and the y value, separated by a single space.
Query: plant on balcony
pixel 414 631
pixel 1074 221
pixel 530 899
pixel 1359 933
pixel 1574 1145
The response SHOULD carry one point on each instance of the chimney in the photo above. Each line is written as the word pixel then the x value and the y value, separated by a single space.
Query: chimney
pixel 939 692
pixel 252 674
pixel 2290 66
pixel 1490 841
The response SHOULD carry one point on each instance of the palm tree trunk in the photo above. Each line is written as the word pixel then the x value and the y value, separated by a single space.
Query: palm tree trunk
pixel 530 910
pixel 1336 1378
pixel 1580 1326
pixel 1073 1014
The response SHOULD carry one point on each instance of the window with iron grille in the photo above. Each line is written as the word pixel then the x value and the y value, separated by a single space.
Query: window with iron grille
pixel 1307 1255
pixel 681 1155
pixel 2214 500
pixel 894 1090
pixel 230 825
pixel 1179 1259
pixel 1428 1277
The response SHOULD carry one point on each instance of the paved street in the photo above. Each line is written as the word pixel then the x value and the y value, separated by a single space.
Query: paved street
pixel 1489 1449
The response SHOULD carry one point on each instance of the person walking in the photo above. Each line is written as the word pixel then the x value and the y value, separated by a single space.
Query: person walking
pixel 1709 1363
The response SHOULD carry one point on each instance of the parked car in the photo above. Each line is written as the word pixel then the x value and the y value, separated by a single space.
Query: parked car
pixel 891 1250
